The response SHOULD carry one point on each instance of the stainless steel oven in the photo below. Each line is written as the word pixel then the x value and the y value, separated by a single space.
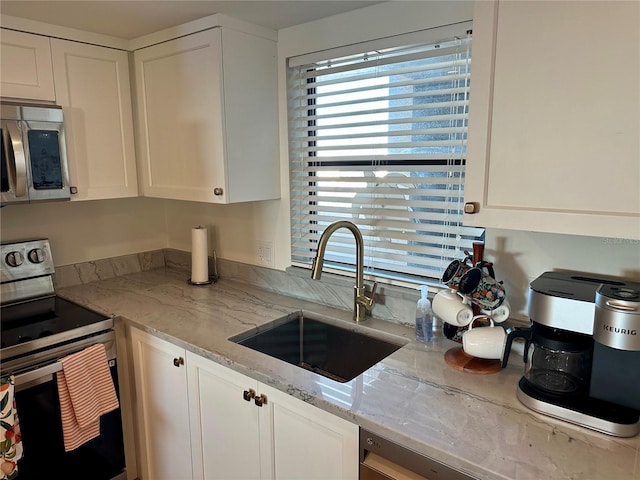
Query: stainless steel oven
pixel 34 159
pixel 38 329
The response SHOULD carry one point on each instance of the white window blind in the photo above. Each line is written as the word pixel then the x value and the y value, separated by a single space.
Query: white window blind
pixel 379 138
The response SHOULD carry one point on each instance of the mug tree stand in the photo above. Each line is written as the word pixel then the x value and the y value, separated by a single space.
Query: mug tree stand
pixel 456 357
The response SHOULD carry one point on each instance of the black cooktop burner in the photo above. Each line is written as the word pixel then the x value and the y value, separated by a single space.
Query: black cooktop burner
pixel 35 319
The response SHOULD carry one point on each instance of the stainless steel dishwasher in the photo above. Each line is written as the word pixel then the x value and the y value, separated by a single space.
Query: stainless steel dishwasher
pixel 382 459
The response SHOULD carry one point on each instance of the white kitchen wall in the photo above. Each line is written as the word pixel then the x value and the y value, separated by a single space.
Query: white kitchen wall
pixel 234 230
pixel 84 231
pixel 520 257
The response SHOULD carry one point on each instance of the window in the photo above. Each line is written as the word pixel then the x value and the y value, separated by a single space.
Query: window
pixel 378 137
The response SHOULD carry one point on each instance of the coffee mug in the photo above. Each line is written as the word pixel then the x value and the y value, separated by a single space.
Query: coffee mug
pixel 500 313
pixel 484 342
pixel 455 270
pixel 452 308
pixel 482 289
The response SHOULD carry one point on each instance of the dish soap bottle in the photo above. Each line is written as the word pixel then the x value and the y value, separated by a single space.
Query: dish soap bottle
pixel 424 317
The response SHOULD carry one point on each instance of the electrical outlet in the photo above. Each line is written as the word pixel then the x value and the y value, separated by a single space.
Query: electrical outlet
pixel 265 253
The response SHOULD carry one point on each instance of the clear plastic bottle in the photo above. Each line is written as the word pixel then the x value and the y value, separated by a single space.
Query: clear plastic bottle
pixel 424 317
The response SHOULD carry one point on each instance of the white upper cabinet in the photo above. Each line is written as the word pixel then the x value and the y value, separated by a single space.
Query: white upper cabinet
pixel 207 117
pixel 93 87
pixel 554 142
pixel 25 63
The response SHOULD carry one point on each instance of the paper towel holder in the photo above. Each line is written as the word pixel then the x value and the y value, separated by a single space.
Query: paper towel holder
pixel 212 278
pixel 208 282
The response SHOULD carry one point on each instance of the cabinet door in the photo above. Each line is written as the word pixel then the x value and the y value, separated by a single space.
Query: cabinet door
pixel 554 118
pixel 162 408
pixel 93 87
pixel 309 443
pixel 25 62
pixel 251 113
pixel 179 91
pixel 225 427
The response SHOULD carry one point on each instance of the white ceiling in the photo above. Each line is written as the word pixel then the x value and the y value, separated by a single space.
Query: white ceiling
pixel 130 19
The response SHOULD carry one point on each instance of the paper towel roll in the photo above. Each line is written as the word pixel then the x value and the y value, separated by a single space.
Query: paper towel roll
pixel 199 255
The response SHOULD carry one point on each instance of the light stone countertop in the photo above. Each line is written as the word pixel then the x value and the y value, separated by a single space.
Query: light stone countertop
pixel 471 422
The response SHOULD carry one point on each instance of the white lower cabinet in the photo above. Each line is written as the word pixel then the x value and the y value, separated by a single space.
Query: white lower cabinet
pixel 225 429
pixel 161 408
pixel 231 436
pixel 309 443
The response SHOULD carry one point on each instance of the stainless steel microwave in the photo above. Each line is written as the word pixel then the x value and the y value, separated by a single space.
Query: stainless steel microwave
pixel 34 158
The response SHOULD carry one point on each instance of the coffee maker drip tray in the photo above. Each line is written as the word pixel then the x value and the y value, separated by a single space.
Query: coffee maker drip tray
pixel 581 410
pixel 555 381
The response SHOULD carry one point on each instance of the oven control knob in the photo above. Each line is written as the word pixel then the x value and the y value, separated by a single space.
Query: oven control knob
pixel 37 255
pixel 14 259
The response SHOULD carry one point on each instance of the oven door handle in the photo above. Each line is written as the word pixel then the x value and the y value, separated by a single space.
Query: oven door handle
pixel 44 374
pixel 37 376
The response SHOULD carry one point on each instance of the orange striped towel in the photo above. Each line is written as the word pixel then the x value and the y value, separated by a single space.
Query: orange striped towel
pixel 86 391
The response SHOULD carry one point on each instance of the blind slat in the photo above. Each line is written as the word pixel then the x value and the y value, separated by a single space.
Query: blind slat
pixel 438 108
pixel 307 240
pixel 298 160
pixel 379 95
pixel 304 130
pixel 453 130
pixel 379 146
pixel 411 85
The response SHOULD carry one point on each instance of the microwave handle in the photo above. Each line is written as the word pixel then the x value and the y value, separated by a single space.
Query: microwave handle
pixel 18 166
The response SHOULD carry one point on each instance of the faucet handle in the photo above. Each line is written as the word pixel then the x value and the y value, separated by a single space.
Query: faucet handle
pixel 371 301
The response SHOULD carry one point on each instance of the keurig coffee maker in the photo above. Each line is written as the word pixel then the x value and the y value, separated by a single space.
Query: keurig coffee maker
pixel 582 359
pixel 615 374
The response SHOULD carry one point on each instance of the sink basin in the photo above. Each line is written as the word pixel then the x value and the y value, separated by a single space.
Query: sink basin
pixel 318 345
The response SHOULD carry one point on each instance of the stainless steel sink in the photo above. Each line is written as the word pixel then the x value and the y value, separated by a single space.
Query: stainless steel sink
pixel 319 346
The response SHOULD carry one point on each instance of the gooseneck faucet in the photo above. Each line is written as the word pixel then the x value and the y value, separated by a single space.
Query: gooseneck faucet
pixel 361 303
